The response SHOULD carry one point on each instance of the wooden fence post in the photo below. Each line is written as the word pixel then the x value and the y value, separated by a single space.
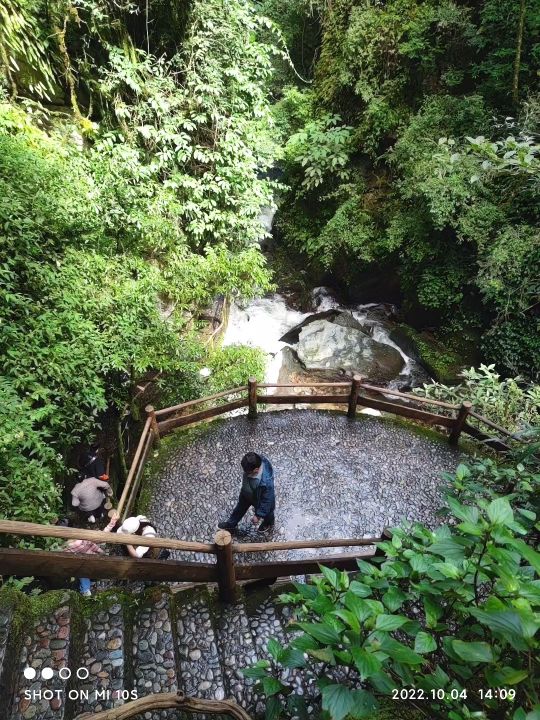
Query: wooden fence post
pixel 150 410
pixel 353 397
pixel 225 566
pixel 459 422
pixel 252 397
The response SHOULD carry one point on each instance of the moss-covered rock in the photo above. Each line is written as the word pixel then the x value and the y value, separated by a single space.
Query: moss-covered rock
pixel 442 354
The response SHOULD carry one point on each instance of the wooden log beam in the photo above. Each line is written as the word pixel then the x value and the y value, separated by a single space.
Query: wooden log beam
pixel 133 468
pixel 225 566
pixel 306 385
pixel 168 425
pixel 408 396
pixel 14 527
pixel 252 398
pixel 27 563
pixel 130 500
pixel 303 544
pixel 459 422
pixel 353 396
pixel 302 399
pixel 491 424
pixel 494 443
pixel 405 411
pixel 284 568
pixel 191 403
pixel 166 701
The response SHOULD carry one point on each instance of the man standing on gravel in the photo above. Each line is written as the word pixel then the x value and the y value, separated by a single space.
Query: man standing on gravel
pixel 257 491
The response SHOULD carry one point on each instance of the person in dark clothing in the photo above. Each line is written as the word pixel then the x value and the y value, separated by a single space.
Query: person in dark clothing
pixel 91 464
pixel 257 491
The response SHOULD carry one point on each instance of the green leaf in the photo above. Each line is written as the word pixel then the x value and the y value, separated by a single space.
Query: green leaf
pixel 366 663
pixel 274 648
pixel 273 708
pixel 292 657
pixel 473 651
pixel 506 622
pixel 272 686
pixel 394 598
pixel 324 633
pixel 400 652
pixel 257 671
pixel 365 705
pixel 433 612
pixel 449 548
pixel 360 589
pixel 424 643
pixel 500 512
pixel 338 701
pixel 323 654
pixel 331 575
pixel 390 622
pixel 526 551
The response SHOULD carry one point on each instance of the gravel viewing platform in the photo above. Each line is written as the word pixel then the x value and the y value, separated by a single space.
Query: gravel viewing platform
pixel 334 477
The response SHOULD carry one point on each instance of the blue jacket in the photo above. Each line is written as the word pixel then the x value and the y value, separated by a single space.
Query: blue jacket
pixel 264 500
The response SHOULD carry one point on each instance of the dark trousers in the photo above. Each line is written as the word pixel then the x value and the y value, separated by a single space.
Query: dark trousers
pixel 242 506
pixel 97 513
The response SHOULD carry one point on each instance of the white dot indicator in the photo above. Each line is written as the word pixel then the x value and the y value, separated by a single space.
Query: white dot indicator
pixel 47 673
pixel 29 673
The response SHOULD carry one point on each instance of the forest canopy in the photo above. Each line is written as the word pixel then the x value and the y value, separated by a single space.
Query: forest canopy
pixel 136 145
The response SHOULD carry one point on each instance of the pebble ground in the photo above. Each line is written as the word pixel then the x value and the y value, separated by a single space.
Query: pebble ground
pixel 334 477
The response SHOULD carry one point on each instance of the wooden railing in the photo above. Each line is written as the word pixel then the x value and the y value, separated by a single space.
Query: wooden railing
pixel 437 413
pixel 224 571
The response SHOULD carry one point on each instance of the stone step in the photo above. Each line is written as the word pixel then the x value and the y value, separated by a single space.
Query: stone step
pixel 236 647
pixel 103 657
pixel 45 647
pixel 199 664
pixel 154 666
pixel 8 654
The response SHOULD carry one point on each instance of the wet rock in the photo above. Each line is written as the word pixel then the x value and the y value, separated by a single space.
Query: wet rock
pixel 324 345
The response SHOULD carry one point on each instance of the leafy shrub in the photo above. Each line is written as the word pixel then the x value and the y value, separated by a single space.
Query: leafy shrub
pixel 511 403
pixel 450 614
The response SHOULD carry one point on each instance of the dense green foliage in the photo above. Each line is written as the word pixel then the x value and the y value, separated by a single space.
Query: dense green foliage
pixel 510 403
pixel 121 217
pixel 423 165
pixel 449 614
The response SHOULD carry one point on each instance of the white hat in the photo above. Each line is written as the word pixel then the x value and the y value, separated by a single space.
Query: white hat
pixel 129 526
pixel 149 530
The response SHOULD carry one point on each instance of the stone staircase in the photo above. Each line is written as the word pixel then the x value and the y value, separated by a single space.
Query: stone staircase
pixel 122 644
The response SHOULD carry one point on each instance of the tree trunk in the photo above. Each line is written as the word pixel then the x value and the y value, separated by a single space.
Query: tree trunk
pixel 519 46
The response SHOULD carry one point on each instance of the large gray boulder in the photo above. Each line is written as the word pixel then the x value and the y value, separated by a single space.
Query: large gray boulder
pixel 326 345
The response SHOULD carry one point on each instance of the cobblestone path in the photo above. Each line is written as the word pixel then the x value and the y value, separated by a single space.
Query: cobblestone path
pixel 334 477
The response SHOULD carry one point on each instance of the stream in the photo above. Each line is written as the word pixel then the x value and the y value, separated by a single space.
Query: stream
pixel 332 341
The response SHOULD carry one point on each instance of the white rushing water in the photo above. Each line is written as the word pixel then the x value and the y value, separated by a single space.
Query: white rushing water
pixel 262 322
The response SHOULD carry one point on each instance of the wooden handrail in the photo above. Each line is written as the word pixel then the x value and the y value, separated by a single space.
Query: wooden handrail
pixel 165 701
pixel 409 396
pixel 134 463
pixel 491 424
pixel 14 527
pixel 191 403
pixel 304 385
pixel 303 544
